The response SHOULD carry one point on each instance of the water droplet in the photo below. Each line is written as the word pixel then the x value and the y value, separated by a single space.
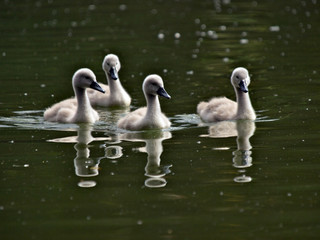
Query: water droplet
pixel 223 28
pixel 123 7
pixel 197 21
pixel 274 28
pixel 92 7
pixel 244 41
pixel 160 36
pixel 212 34
pixel 225 59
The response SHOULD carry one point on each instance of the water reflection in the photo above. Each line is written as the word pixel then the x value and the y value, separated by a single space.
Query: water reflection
pixel 154 171
pixel 84 165
pixel 243 130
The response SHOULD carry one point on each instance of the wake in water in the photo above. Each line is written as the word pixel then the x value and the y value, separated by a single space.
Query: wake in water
pixel 33 119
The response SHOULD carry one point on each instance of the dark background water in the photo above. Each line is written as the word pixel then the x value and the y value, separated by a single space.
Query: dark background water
pixel 201 191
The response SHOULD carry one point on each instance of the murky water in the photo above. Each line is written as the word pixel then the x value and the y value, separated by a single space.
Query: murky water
pixel 231 180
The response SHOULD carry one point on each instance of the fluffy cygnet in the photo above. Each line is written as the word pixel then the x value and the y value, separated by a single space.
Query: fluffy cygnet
pixel 115 95
pixel 222 108
pixel 76 110
pixel 149 117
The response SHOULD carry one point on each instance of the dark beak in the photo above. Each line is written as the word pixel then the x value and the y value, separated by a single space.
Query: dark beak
pixel 113 73
pixel 243 86
pixel 163 93
pixel 96 86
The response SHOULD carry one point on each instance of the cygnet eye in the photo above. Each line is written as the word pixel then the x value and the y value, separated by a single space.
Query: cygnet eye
pixel 237 77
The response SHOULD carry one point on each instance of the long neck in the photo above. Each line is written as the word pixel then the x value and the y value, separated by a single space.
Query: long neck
pixel 245 109
pixel 153 106
pixel 83 102
pixel 114 85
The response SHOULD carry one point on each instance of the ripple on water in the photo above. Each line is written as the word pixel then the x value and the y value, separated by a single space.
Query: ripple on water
pixel 33 119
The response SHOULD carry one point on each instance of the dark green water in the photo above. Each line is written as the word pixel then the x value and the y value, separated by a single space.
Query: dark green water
pixel 182 183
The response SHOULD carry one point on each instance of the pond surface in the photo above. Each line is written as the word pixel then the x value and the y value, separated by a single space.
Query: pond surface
pixel 232 180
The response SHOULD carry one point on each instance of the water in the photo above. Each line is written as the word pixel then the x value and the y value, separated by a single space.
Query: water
pixel 234 180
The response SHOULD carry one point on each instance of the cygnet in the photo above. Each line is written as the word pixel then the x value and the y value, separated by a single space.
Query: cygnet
pixel 222 108
pixel 149 117
pixel 76 110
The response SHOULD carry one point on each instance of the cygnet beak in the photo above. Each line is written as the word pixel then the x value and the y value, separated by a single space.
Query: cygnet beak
pixel 114 73
pixel 163 93
pixel 96 86
pixel 243 86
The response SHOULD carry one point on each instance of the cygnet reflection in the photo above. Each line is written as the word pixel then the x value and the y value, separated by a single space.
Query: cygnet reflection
pixel 243 130
pixel 84 165
pixel 153 169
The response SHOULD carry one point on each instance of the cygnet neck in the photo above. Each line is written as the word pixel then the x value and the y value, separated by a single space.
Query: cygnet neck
pixel 114 85
pixel 83 101
pixel 245 109
pixel 153 106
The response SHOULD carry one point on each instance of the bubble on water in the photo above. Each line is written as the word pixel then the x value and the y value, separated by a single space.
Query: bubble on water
pixel 225 59
pixel 177 35
pixel 244 41
pixel 154 11
pixel 160 36
pixel 223 28
pixel 92 7
pixel 123 7
pixel 212 34
pixel 274 28
pixel 139 222
pixel 74 24
pixel 190 72
pixel 197 21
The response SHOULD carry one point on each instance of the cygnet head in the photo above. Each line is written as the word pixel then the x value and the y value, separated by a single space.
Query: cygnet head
pixel 111 65
pixel 240 79
pixel 153 85
pixel 85 78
